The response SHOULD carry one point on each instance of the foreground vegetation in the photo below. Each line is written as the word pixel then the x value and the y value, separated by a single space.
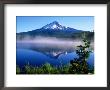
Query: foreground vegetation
pixel 49 69
pixel 76 66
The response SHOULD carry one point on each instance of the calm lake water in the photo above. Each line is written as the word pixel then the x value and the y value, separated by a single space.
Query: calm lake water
pixel 38 54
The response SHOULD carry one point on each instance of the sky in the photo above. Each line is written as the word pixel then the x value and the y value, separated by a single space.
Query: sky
pixel 29 23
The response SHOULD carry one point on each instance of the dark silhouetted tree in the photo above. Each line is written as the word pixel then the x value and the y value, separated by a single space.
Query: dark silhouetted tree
pixel 79 65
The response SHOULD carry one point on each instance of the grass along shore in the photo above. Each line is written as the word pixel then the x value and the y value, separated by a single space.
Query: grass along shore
pixel 49 69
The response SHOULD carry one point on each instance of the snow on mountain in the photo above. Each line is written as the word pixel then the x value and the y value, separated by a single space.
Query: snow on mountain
pixel 54 25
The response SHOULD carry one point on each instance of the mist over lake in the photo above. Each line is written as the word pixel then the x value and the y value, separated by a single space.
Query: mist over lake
pixel 50 42
pixel 40 50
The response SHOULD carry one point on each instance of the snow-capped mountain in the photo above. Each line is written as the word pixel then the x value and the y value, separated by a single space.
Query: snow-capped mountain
pixel 53 29
pixel 54 25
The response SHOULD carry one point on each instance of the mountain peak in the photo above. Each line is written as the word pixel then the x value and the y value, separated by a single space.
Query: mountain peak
pixel 54 25
pixel 55 22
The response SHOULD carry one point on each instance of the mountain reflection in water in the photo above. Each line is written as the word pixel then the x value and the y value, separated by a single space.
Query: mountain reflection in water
pixel 38 54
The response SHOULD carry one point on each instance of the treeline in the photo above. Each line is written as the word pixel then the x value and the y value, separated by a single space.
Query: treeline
pixel 57 34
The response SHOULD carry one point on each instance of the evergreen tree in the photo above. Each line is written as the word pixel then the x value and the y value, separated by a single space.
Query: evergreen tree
pixel 79 65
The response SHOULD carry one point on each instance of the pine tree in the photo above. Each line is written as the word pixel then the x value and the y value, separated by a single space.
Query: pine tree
pixel 79 65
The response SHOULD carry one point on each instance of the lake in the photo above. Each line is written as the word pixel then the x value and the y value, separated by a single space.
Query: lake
pixel 37 54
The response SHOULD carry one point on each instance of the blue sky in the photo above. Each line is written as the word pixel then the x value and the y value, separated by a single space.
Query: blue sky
pixel 29 23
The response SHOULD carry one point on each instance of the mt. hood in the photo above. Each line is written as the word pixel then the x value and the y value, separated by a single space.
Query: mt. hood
pixel 54 25
pixel 53 29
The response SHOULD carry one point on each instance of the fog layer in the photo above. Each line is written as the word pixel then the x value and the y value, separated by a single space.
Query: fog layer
pixel 51 42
